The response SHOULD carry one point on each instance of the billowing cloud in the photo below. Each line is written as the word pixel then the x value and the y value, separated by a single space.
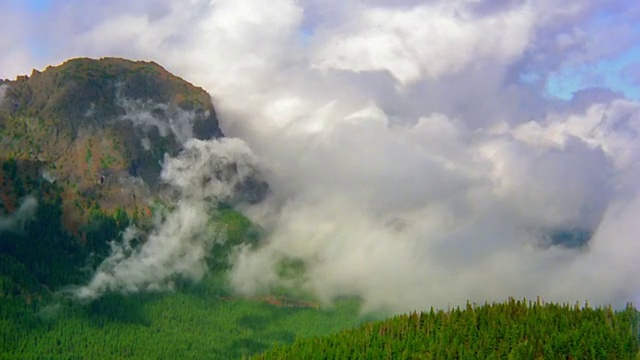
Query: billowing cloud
pixel 425 41
pixel 182 239
pixel 414 156
pixel 435 213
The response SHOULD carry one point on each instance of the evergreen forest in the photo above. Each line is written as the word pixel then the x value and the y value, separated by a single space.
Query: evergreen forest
pixel 39 259
pixel 205 320
pixel 515 329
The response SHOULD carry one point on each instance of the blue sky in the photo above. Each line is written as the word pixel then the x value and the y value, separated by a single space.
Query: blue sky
pixel 620 74
pixel 38 5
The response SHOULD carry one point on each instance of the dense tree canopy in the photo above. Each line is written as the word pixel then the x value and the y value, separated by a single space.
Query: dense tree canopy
pixel 510 330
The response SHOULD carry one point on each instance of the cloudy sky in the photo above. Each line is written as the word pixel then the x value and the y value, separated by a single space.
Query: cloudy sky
pixel 420 152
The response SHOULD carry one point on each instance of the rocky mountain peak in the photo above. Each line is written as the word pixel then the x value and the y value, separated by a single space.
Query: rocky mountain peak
pixel 102 128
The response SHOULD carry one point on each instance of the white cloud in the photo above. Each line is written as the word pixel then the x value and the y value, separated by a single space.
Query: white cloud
pixel 425 41
pixel 182 240
pixel 144 114
pixel 437 184
pixel 431 213
pixel 610 126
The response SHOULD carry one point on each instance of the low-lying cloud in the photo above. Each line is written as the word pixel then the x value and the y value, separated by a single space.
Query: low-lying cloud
pixel 434 213
pixel 17 219
pixel 148 115
pixel 414 155
pixel 181 241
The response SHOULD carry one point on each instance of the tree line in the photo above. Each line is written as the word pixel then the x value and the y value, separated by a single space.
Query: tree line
pixel 515 329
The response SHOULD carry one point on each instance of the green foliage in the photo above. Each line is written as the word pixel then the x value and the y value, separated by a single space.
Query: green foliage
pixel 38 253
pixel 236 230
pixel 107 160
pixel 101 229
pixel 88 156
pixel 510 330
pixel 10 174
pixel 10 168
pixel 199 322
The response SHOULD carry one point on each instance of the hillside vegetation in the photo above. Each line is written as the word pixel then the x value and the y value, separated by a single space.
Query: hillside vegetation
pixel 81 149
pixel 510 330
pixel 39 258
pixel 203 321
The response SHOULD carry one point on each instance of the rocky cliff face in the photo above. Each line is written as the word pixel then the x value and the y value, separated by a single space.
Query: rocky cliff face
pixel 101 129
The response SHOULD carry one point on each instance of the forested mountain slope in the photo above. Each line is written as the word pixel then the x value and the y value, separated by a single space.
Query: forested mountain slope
pixel 81 150
pixel 510 330
pixel 82 146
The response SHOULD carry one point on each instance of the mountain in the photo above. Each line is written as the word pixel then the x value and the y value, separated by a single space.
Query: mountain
pixel 101 129
pixel 81 151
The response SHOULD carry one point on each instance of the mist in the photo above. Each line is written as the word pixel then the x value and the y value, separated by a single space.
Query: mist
pixel 415 155
pixel 17 220
pixel 184 233
pixel 433 213
pixel 175 121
